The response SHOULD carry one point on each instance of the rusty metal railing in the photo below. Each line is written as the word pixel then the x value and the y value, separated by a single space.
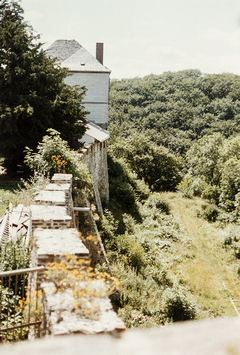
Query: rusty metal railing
pixel 20 304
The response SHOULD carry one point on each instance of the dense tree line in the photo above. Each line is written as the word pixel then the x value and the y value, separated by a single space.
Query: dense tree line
pixel 175 108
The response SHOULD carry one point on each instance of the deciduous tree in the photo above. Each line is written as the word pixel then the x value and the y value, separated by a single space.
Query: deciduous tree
pixel 33 96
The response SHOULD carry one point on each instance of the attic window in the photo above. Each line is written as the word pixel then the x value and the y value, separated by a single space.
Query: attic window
pixel 82 64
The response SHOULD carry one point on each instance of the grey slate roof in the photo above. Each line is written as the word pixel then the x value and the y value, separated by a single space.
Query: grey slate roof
pixel 70 54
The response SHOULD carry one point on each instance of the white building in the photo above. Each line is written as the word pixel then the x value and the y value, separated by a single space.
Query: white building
pixel 85 70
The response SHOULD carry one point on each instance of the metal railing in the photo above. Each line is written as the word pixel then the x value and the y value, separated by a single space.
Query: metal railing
pixel 20 304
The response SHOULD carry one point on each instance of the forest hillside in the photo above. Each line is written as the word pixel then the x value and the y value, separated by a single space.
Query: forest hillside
pixel 175 108
pixel 171 228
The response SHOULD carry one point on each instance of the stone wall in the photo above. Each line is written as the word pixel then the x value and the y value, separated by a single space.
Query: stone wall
pixel 54 236
pixel 95 157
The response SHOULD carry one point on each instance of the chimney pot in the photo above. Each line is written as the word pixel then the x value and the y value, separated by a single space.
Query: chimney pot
pixel 99 52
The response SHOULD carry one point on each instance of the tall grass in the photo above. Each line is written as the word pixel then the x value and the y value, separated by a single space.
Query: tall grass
pixel 207 265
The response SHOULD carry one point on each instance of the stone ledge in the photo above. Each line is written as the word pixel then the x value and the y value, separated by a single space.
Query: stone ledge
pixel 61 320
pixel 47 213
pixel 52 242
pixel 56 198
pixel 62 178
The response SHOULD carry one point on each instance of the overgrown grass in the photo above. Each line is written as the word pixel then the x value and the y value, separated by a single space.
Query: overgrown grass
pixel 207 265
pixel 142 257
pixel 173 264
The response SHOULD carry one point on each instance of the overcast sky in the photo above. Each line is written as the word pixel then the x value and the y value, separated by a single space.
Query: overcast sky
pixel 146 36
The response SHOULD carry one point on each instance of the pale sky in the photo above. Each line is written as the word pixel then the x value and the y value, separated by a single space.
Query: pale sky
pixel 144 37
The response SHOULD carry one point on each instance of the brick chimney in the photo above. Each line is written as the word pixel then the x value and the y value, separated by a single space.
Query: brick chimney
pixel 99 52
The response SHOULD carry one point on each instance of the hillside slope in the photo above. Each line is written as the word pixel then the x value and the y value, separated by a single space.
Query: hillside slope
pixel 206 266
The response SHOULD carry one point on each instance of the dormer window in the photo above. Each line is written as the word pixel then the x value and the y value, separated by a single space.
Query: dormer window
pixel 82 64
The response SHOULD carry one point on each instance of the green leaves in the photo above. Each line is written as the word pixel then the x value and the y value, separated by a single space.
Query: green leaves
pixel 159 168
pixel 216 162
pixel 33 94
pixel 203 157
pixel 55 156
pixel 174 109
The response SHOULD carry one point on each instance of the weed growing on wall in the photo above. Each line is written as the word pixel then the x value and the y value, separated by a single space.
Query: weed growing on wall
pixel 59 163
pixel 86 285
pixel 53 156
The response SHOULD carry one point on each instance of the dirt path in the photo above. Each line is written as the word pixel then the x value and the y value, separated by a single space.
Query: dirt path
pixel 205 263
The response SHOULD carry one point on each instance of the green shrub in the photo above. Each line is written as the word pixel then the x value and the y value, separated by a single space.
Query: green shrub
pixel 177 306
pixel 14 256
pixel 227 241
pixel 198 186
pixel 209 212
pixel 157 201
pixel 237 204
pixel 54 156
pixel 185 187
pixel 129 223
pixel 156 165
pixel 212 194
pixel 108 225
pixel 124 191
pixel 237 253
pixel 11 315
pixel 190 186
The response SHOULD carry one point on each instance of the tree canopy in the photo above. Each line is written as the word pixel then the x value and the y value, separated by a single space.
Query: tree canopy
pixel 159 168
pixel 176 108
pixel 33 96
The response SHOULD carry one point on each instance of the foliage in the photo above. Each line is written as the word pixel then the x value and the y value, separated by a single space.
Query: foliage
pixel 54 156
pixel 175 109
pixel 22 192
pixel 230 184
pixel 192 186
pixel 231 239
pixel 159 168
pixel 209 212
pixel 92 243
pixel 31 306
pixel 214 161
pixel 33 94
pixel 177 305
pixel 13 256
pixel 155 200
pixel 189 113
pixel 125 189
pixel 138 253
pixel 203 157
pixel 211 193
pixel 11 315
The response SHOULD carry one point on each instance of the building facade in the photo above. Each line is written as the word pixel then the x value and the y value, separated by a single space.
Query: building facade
pixel 89 71
pixel 85 70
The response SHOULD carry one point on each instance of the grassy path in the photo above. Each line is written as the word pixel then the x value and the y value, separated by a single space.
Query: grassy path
pixel 205 264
